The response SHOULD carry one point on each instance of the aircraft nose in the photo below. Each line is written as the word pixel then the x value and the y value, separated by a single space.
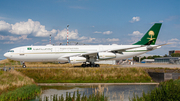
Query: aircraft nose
pixel 6 55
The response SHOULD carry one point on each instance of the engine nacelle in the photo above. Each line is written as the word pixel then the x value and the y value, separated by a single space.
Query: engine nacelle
pixel 62 60
pixel 150 48
pixel 77 59
pixel 106 55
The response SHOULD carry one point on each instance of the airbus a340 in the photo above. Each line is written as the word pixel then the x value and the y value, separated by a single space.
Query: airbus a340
pixel 86 54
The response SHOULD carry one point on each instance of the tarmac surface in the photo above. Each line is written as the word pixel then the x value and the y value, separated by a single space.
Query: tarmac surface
pixel 153 65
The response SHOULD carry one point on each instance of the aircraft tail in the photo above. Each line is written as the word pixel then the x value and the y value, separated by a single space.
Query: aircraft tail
pixel 150 37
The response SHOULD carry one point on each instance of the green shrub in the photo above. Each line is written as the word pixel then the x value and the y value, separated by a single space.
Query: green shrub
pixel 167 91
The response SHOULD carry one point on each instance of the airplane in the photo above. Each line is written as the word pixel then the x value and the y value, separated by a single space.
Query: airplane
pixel 85 54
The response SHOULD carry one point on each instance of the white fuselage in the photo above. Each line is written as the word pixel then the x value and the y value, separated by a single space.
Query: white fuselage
pixel 50 53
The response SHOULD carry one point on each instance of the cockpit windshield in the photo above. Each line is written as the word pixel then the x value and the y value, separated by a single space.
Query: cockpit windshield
pixel 11 51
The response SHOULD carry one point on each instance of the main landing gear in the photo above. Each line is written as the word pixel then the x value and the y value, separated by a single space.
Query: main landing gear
pixel 90 65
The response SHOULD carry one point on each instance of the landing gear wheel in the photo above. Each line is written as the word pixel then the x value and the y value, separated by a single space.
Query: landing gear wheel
pixel 24 66
pixel 83 65
pixel 96 65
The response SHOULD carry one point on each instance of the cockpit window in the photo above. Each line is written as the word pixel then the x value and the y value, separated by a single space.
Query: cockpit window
pixel 11 51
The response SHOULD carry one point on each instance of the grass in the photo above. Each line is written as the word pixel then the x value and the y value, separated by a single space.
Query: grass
pixel 87 75
pixel 98 95
pixel 167 91
pixel 20 94
pixel 12 63
pixel 12 79
pixel 93 97
pixel 14 86
pixel 9 63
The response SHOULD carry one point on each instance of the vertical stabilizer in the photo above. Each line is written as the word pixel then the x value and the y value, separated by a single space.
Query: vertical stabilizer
pixel 150 37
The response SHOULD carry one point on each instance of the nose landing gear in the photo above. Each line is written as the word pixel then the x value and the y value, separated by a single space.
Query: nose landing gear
pixel 23 65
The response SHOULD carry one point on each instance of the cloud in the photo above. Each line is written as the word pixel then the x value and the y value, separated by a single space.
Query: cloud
pixel 2 17
pixel 174 39
pixel 107 32
pixel 5 26
pixel 62 35
pixel 83 38
pixel 91 40
pixel 9 42
pixel 136 33
pixel 97 32
pixel 161 21
pixel 113 39
pixel 172 18
pixel 25 28
pixel 135 19
pixel 44 40
pixel 158 41
pixel 12 38
pixel 174 42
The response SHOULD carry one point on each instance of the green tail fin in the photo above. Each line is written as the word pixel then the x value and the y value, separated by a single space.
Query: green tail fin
pixel 150 37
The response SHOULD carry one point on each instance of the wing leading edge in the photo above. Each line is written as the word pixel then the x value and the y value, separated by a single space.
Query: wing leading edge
pixel 109 50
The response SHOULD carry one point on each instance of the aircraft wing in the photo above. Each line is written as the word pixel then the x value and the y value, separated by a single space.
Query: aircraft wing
pixel 157 46
pixel 95 52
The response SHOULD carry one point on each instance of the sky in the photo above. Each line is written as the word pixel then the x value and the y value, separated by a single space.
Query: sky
pixel 92 22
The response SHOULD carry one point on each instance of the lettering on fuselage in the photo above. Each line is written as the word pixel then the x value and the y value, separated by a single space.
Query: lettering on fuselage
pixel 69 48
pixel 51 48
pixel 42 48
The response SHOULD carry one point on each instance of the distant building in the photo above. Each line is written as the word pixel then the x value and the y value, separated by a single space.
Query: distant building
pixel 174 51
pixel 113 62
pixel 147 61
pixel 173 60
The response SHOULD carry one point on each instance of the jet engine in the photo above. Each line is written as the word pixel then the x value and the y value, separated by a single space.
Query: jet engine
pixel 106 55
pixel 77 59
pixel 62 60
pixel 149 48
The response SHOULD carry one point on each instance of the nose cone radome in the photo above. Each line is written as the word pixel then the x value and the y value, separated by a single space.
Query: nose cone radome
pixel 7 55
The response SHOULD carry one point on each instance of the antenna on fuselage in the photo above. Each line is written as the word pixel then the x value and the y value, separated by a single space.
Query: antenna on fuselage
pixel 67 34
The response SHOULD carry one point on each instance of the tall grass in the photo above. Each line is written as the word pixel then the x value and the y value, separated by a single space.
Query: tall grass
pixel 167 91
pixel 87 75
pixel 12 79
pixel 21 94
pixel 12 63
pixel 14 86
pixel 9 63
pixel 98 95
pixel 93 97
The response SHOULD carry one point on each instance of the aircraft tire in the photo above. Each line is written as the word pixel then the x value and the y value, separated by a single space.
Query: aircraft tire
pixel 83 65
pixel 97 65
pixel 88 65
pixel 24 66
